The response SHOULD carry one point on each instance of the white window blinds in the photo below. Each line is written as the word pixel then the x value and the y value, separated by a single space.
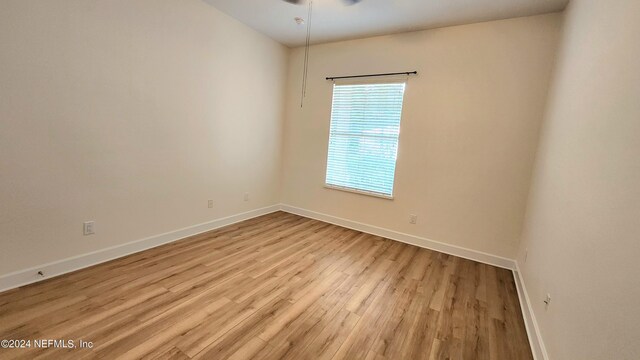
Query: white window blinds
pixel 363 139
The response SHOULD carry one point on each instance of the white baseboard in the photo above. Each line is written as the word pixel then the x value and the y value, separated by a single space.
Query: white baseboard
pixel 406 238
pixel 533 331
pixel 28 276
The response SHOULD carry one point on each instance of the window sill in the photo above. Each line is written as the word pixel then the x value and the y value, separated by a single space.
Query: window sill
pixel 359 192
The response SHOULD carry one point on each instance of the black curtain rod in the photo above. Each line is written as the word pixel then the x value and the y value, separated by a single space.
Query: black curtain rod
pixel 373 75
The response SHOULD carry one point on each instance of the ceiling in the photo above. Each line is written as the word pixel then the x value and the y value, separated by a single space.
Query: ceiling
pixel 333 21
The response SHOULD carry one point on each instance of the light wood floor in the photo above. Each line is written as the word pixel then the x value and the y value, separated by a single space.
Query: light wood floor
pixel 275 287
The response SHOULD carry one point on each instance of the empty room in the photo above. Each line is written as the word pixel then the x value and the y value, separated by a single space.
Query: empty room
pixel 320 179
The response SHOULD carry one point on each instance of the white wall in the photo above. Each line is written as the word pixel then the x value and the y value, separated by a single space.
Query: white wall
pixel 132 114
pixel 468 134
pixel 582 227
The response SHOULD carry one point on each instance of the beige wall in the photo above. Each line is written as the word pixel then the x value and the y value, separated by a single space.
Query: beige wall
pixel 132 114
pixel 468 134
pixel 582 227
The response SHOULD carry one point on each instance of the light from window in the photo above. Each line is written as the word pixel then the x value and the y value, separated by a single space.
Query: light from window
pixel 363 139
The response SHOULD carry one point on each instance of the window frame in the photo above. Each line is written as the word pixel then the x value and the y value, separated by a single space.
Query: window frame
pixel 403 80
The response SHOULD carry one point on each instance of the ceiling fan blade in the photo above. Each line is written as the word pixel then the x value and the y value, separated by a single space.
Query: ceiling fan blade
pixel 346 2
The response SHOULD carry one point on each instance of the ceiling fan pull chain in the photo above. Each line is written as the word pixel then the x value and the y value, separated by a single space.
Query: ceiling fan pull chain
pixel 306 56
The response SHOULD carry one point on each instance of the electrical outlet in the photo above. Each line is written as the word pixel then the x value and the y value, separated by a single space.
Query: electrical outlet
pixel 246 196
pixel 413 219
pixel 88 228
pixel 210 204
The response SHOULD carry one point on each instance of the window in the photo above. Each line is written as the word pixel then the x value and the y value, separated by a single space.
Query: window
pixel 363 139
